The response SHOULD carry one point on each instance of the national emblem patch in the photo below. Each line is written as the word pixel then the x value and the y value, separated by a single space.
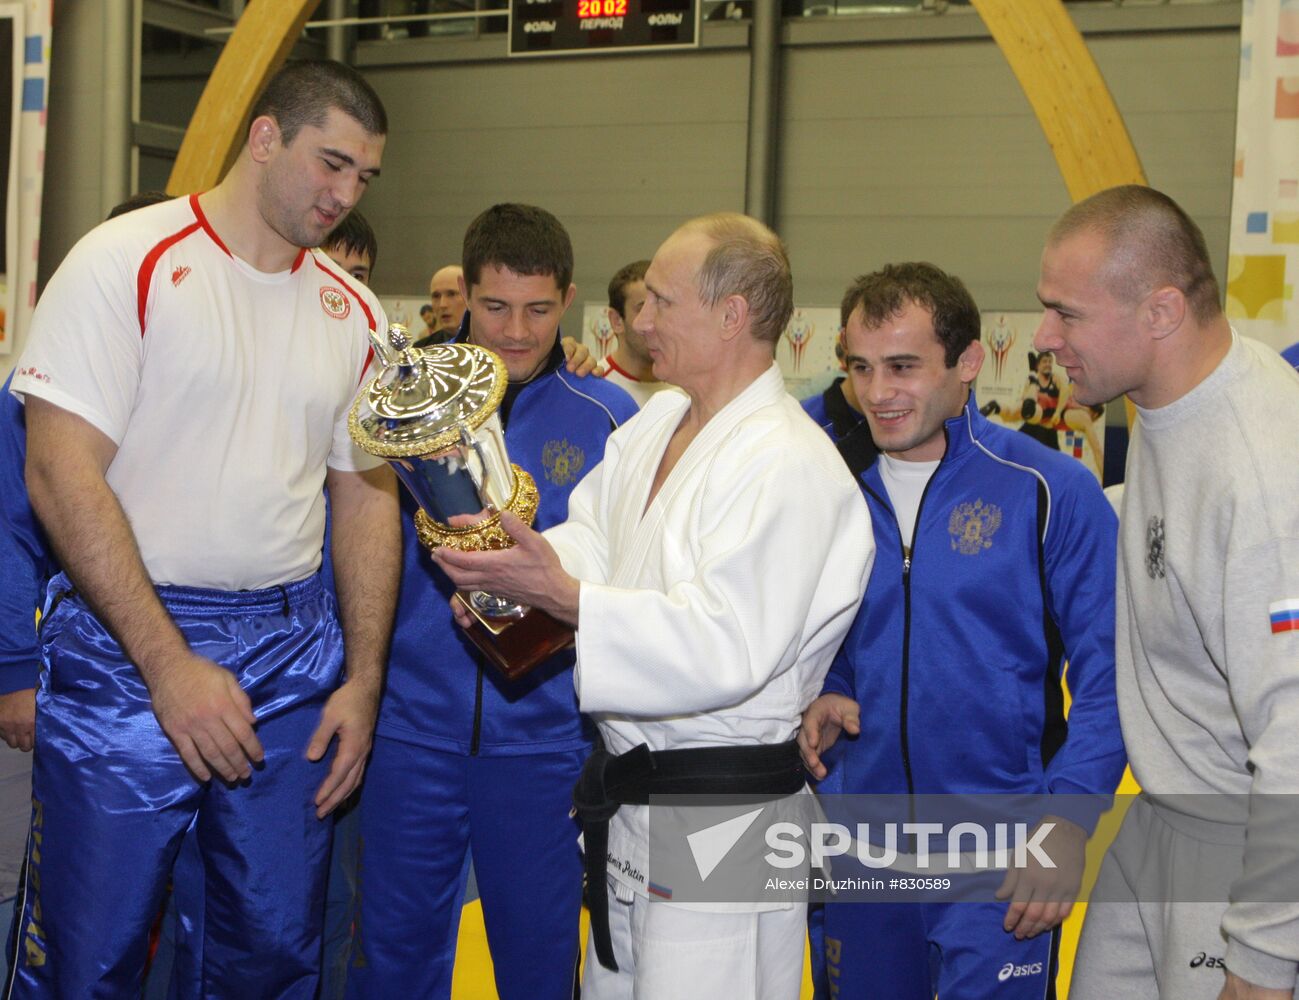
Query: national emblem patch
pixel 335 302
pixel 562 461
pixel 972 526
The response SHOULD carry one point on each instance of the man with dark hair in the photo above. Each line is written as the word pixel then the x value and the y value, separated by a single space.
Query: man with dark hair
pixel 1208 584
pixel 465 761
pixel 304 93
pixel 977 530
pixel 176 457
pixel 711 565
pixel 429 318
pixel 836 409
pixel 141 199
pixel 353 246
pixel 630 365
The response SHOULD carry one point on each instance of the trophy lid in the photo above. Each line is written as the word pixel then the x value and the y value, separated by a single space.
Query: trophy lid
pixel 423 397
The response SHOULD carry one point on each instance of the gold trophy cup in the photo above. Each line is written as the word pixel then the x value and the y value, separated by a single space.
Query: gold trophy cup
pixel 432 414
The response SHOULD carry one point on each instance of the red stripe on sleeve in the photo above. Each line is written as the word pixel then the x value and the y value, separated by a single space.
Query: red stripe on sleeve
pixel 145 275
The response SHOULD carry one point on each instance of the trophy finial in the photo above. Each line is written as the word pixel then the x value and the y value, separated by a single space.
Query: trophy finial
pixel 390 347
pixel 398 337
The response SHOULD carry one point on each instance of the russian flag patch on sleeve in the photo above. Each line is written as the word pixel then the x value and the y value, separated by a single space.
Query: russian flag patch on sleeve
pixel 1284 615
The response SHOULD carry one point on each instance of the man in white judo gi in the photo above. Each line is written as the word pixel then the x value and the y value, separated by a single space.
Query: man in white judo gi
pixel 711 564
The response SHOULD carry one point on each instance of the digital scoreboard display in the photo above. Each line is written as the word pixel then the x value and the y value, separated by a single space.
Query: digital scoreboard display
pixel 577 27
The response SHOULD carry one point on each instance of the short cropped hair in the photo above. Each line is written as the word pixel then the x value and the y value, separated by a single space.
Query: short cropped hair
pixel 304 92
pixel 749 260
pixel 884 293
pixel 141 199
pixel 1150 242
pixel 354 235
pixel 628 274
pixel 520 238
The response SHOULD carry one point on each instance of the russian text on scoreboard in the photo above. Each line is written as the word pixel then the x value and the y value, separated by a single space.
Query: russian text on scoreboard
pixel 577 27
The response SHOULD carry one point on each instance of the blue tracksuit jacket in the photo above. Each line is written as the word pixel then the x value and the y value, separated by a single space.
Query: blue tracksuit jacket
pixel 956 654
pixel 831 411
pixel 24 553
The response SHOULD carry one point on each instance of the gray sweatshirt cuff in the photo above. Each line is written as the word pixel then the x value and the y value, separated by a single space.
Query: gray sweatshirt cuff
pixel 1260 968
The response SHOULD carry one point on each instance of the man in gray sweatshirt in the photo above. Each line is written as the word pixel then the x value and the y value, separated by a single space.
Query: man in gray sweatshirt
pixel 1208 609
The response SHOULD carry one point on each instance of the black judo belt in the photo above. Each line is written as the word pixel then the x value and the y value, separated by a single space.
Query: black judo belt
pixel 608 782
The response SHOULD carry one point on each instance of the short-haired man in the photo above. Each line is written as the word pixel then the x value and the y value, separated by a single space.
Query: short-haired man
pixel 429 318
pixel 711 566
pixel 1208 578
pixel 176 458
pixel 353 247
pixel 467 762
pixel 994 565
pixel 446 294
pixel 630 365
pixel 836 409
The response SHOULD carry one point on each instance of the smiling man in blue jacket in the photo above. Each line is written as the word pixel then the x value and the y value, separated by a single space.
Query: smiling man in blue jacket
pixel 465 761
pixel 994 565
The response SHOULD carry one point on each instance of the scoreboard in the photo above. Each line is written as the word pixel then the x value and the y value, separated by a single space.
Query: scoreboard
pixel 580 27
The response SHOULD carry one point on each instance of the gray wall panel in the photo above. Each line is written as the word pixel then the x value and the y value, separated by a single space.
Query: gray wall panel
pixel 620 149
pixel 931 150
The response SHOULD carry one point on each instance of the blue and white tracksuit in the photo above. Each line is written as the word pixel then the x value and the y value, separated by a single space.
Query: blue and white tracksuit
pixel 467 762
pixel 956 659
pixel 831 411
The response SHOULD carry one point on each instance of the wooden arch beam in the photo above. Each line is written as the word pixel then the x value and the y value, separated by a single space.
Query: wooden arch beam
pixel 1045 50
pixel 257 48
pixel 1073 105
pixel 1064 85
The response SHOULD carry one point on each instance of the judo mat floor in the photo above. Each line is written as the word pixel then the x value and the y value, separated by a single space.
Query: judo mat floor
pixel 473 977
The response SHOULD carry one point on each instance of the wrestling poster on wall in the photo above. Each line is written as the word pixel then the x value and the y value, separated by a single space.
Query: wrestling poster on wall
pixel 1031 393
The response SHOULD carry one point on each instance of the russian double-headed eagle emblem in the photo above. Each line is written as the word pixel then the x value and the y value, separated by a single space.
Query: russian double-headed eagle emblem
pixel 562 461
pixel 972 526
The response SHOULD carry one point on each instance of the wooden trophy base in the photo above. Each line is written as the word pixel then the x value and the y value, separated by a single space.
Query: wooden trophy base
pixel 515 645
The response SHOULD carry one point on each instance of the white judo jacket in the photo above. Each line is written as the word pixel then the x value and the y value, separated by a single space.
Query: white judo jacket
pixel 711 617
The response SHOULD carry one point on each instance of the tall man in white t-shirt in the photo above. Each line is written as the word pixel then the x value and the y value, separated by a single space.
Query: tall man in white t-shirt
pixel 177 450
pixel 994 564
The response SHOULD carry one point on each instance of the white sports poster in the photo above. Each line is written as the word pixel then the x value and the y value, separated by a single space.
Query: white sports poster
pixel 596 333
pixel 805 352
pixel 404 309
pixel 1004 385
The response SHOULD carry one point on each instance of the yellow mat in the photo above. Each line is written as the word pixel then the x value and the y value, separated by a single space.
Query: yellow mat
pixel 473 980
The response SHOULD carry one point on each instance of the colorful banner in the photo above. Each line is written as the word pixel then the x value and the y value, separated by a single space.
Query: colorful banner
pixel 25 31
pixel 1263 267
pixel 1006 382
